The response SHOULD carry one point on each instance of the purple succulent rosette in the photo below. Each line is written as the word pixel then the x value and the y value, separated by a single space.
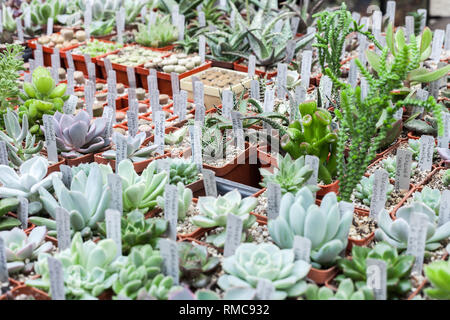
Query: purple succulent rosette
pixel 77 135
pixel 444 153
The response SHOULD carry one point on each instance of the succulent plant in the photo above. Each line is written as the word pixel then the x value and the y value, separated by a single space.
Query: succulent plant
pixel 325 226
pixel 161 35
pixel 96 48
pixel 364 189
pixel 8 205
pixel 428 125
pixel 18 149
pixel 31 177
pixel 202 294
pixel 86 200
pixel 77 135
pixel 446 178
pixel 140 266
pixel 395 232
pixel 252 262
pixel 196 265
pixel 430 197
pixel 136 230
pixel 86 267
pixel 291 174
pixel 444 153
pixel 414 147
pixel 141 192
pixel 182 170
pixel 398 267
pixel 214 212
pixel 390 165
pixel 438 273
pixel 184 200
pixel 176 137
pixel 21 249
pixel 134 151
pixel 158 288
pixel 42 96
pixel 345 291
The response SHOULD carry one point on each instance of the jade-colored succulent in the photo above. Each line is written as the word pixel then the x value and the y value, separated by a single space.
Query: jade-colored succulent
pixel 86 267
pixel 430 197
pixel 395 232
pixel 86 200
pixel 196 264
pixel 291 174
pixel 438 273
pixel 141 191
pixel 21 249
pixel 202 294
pixel 345 291
pixel 184 200
pixel 135 152
pixel 446 178
pixel 134 271
pixel 315 138
pixel 252 262
pixel 325 226
pixel 214 212
pixel 158 288
pixel 398 268
pixel 390 165
pixel 8 205
pixel 182 170
pixel 21 144
pixel 364 189
pixel 136 230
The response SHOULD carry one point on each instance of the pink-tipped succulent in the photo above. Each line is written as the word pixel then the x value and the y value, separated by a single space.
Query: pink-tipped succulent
pixel 77 134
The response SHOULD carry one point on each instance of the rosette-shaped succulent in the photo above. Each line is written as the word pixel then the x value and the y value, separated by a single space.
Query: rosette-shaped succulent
pixel 345 291
pixel 86 201
pixel 390 165
pixel 77 134
pixel 395 232
pixel 325 226
pixel 86 266
pixel 21 249
pixel 214 212
pixel 134 153
pixel 414 147
pixel 196 264
pixel 438 272
pixel 184 200
pixel 26 183
pixel 159 288
pixel 291 175
pixel 7 205
pixel 141 191
pixel 253 262
pixel 182 170
pixel 431 197
pixel 364 189
pixel 142 265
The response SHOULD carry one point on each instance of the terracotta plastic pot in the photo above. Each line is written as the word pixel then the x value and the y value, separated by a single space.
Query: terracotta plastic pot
pixel 238 66
pixel 321 276
pixel 324 189
pixel 48 51
pixel 138 166
pixel 87 158
pixel 197 187
pixel 223 64
pixel 29 291
pixel 360 242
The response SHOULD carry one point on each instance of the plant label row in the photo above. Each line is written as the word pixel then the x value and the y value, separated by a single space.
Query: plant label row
pixel 55 269
pixel 3 154
pixel 22 212
pixel 171 209
pixel 199 94
pixel 302 248
pixel 201 18
pixel 426 152
pixel 416 239
pixel 108 65
pixel 91 72
pixel 444 208
pixel 273 200
pixel 202 48
pixel 233 234
pixel 376 273
pixel 159 119
pixel 69 58
pixel 108 114
pixel 390 11
pixel 251 66
pixel 169 253
pixel 49 26
pixel 379 197
pixel 50 138
pixel 113 228
pixel 181 22
pixel 209 183
pixel 63 228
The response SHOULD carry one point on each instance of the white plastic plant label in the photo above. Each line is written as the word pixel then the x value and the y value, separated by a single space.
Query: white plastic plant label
pixel 67 175
pixel 121 148
pixel 356 16
pixel 132 118
pixel 403 172
pixel 364 88
pixel 152 81
pixel 209 183
pixel 70 82
pixel 115 185
pixel 251 66
pixel 4 277
pixel 181 21
pixel 201 18
pixel 436 47
pixel 159 120
pixel 295 21
pixel 444 208
pixel 282 81
pixel 174 14
pixel 133 106
pixel 423 20
pixel 91 71
pixel 69 58
pixel 306 68
pixel 22 212
pixel 195 133
pixel 175 82
pixel 200 113
pixel 50 138
pixel 426 152
pixel 376 274
pixel 447 38
pixel 38 56
pixel 70 104
pixel 376 20
pixel 108 114
pixel 108 65
pixel 269 98
pixel 264 289
pixel 63 228
pixel 120 24
pixel 19 30
pixel 113 228
pixel 227 103
pixel 300 94
pixel 180 104
pixel 254 90
pixel 112 91
pixel 152 18
pixel 273 200
pixel 56 272
pixel 1 22
pixel 131 77
pixel 302 248
pixel 171 209
pixel 233 234
pixel 56 63
pixel 49 26
pixel 379 196
pixel 238 130
pixel 202 48
pixel 390 11
pixel 326 85
pixel 131 93
pixel 199 94
pixel 409 27
pixel 313 163
pixel 154 101
pixel 3 154
pixel 89 96
pixel 416 240
pixel 169 252
pixel 163 165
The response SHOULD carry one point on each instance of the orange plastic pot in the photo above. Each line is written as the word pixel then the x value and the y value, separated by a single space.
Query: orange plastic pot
pixel 138 166
pixel 321 276
pixel 26 290
pixel 238 66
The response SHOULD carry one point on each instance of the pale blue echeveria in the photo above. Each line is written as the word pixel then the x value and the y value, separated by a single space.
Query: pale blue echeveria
pixel 184 200
pixel 431 197
pixel 134 151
